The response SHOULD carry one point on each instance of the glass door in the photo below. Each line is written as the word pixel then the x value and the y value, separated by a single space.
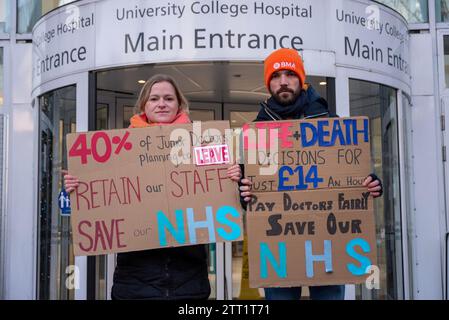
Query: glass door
pixel 379 103
pixel 55 251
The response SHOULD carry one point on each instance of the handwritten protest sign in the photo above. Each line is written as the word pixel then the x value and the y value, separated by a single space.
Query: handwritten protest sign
pixel 153 187
pixel 311 221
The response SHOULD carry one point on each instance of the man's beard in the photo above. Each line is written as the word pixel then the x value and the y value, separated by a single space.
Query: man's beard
pixel 286 101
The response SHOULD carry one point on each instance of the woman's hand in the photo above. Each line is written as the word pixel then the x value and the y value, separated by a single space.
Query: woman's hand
pixel 70 182
pixel 245 189
pixel 235 173
pixel 374 185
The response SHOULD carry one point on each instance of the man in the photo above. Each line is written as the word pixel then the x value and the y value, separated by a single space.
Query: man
pixel 292 98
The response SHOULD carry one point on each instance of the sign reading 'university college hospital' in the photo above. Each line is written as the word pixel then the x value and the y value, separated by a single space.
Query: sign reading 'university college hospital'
pixel 93 34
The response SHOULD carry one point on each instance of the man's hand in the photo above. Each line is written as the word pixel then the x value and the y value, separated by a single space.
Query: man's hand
pixel 245 189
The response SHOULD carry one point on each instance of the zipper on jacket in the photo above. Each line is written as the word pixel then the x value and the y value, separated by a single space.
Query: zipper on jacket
pixel 268 111
pixel 167 276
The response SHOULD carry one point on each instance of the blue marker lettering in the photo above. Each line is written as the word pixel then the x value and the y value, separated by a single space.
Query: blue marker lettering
pixel 348 123
pixel 326 257
pixel 337 133
pixel 322 133
pixel 265 254
pixel 236 231
pixel 283 179
pixel 164 223
pixel 365 262
pixel 304 126
pixel 193 225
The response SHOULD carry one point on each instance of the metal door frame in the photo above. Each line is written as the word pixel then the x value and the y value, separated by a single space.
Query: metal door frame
pixel 81 82
pixel 444 104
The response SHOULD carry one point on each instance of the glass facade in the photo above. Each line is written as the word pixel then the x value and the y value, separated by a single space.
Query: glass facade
pixel 442 10
pixel 379 103
pixel 446 59
pixel 29 11
pixel 415 11
pixel 55 251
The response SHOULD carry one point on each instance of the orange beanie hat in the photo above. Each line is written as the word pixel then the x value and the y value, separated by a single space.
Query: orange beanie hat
pixel 284 59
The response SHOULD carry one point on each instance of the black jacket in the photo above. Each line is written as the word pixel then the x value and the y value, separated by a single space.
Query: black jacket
pixel 162 274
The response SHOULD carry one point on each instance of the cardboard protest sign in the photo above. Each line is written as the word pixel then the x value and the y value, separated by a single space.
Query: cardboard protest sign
pixel 154 187
pixel 311 221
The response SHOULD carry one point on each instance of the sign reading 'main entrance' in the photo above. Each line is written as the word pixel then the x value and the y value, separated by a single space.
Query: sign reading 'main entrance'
pixel 310 221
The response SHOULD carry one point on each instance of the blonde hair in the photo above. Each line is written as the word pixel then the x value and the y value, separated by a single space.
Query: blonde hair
pixel 146 90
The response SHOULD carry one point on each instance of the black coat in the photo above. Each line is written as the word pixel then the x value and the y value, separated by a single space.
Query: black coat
pixel 162 274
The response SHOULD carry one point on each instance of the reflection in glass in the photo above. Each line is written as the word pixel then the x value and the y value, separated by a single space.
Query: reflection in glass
pixel 101 292
pixel 446 59
pixel 442 10
pixel 29 11
pixel 5 16
pixel 102 116
pixel 379 103
pixel 55 251
pixel 1 78
pixel 414 11
pixel 128 112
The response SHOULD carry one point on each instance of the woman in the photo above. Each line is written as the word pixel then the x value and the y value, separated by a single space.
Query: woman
pixel 171 273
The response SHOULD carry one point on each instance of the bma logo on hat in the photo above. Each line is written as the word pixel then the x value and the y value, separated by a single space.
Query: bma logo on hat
pixel 284 64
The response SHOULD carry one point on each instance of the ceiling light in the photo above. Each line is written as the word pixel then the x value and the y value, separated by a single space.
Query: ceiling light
pixel 323 83
pixel 141 81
